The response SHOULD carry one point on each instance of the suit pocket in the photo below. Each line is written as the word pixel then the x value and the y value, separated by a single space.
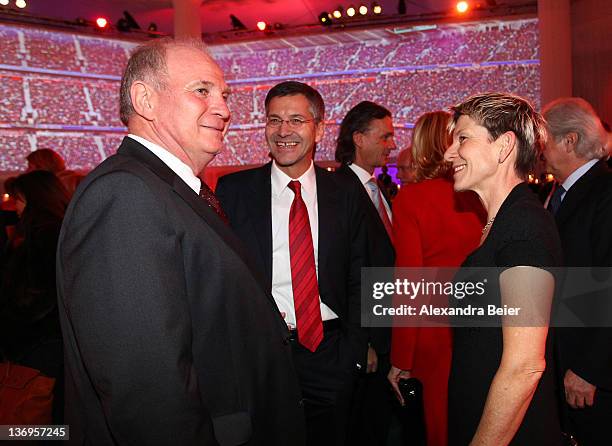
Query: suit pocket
pixel 233 429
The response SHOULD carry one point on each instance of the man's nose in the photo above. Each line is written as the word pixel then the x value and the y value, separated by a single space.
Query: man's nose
pixel 285 129
pixel 219 107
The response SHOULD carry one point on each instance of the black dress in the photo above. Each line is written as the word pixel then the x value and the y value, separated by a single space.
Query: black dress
pixel 523 234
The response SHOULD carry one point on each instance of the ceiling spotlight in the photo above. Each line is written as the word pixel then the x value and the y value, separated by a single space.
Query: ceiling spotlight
pixel 376 8
pixel 325 18
pixel 262 26
pixel 350 11
pixel 462 7
pixel 20 4
pixel 337 12
pixel 4 2
pixel 363 10
pixel 101 23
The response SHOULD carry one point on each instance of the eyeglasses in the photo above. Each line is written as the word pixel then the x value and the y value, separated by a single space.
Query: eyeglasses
pixel 294 123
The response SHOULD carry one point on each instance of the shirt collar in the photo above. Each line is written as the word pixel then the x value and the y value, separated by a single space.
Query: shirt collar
pixel 578 173
pixel 280 180
pixel 176 165
pixel 363 175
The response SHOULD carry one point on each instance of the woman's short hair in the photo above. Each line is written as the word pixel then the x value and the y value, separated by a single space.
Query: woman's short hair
pixel 430 139
pixel 46 159
pixel 503 112
pixel 567 115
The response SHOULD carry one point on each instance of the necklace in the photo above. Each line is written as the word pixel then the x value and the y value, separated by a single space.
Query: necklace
pixel 488 225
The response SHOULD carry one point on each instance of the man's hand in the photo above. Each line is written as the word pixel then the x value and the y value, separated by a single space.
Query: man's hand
pixel 394 376
pixel 578 392
pixel 372 360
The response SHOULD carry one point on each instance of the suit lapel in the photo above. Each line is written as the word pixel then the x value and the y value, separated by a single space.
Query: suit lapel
pixel 133 149
pixel 259 201
pixel 327 202
pixel 578 192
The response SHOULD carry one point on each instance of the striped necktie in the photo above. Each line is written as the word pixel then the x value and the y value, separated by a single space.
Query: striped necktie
pixel 303 273
pixel 211 200
pixel 379 204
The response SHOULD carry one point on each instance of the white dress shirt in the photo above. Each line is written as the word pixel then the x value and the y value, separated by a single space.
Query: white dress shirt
pixel 282 198
pixel 176 165
pixel 364 176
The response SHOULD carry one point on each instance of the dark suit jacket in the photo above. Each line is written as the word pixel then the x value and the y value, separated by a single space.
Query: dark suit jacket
pixel 246 198
pixel 584 220
pixel 169 338
pixel 380 251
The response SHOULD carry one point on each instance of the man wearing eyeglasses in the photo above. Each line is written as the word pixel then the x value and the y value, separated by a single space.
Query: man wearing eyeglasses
pixel 305 228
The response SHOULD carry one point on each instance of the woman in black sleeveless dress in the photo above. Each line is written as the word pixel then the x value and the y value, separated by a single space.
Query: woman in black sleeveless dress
pixel 501 388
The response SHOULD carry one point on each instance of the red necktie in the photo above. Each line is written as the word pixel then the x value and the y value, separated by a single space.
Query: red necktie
pixel 303 273
pixel 211 200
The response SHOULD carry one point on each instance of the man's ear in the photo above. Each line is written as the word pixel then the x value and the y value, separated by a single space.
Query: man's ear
pixel 144 99
pixel 320 129
pixel 570 140
pixel 357 139
pixel 507 143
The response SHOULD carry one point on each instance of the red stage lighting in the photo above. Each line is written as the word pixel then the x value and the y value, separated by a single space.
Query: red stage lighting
pixel 262 26
pixel 101 23
pixel 462 7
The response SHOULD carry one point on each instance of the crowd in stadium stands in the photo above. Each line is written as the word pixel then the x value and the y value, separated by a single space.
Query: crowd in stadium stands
pixel 478 43
pixel 58 100
pixel 15 147
pixel 11 97
pixel 103 56
pixel 105 101
pixel 10 46
pixel 51 50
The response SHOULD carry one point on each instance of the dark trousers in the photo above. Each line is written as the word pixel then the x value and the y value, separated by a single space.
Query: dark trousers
pixel 327 378
pixel 592 425
pixel 372 407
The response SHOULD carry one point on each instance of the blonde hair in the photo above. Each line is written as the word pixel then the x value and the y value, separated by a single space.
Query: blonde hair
pixel 504 112
pixel 430 140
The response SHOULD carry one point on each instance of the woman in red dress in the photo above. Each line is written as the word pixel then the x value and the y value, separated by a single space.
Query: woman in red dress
pixel 433 227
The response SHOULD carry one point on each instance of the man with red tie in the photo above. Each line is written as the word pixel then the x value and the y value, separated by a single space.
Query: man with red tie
pixel 305 228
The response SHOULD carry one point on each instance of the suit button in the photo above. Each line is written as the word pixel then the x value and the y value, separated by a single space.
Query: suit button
pixel 287 340
pixel 301 403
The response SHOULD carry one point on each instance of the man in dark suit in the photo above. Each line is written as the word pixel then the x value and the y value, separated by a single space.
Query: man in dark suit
pixel 305 227
pixel 169 336
pixel 365 140
pixel 582 204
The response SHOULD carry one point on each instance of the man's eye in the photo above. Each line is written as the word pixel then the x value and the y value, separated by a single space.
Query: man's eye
pixel 461 139
pixel 296 122
pixel 203 91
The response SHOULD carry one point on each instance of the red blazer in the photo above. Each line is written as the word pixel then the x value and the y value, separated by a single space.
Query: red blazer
pixel 433 226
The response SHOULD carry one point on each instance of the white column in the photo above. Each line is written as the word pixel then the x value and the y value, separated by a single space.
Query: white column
pixel 187 21
pixel 555 49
